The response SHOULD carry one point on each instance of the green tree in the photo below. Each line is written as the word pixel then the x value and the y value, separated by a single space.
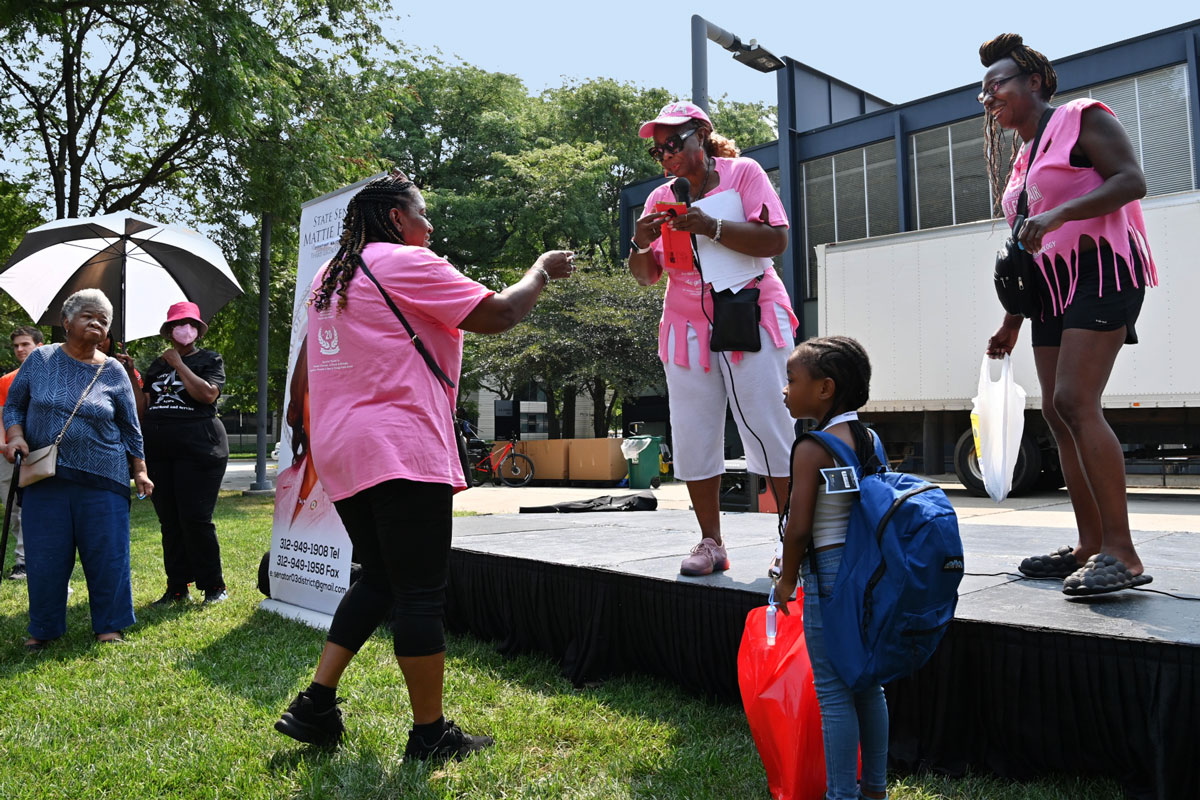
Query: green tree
pixel 748 124
pixel 451 133
pixel 594 333
pixel 207 112
pixel 17 216
pixel 130 105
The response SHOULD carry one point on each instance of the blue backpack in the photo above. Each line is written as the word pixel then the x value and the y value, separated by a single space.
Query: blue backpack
pixel 897 587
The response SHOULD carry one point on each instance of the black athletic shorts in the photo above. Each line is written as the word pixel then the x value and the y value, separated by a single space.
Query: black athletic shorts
pixel 1087 309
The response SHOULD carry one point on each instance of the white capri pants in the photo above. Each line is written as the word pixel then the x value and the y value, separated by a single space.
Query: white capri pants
pixel 698 400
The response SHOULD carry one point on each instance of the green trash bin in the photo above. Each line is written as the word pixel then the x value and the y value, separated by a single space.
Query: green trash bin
pixel 641 455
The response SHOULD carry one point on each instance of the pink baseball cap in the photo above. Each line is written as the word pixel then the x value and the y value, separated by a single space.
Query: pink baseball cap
pixel 183 311
pixel 675 113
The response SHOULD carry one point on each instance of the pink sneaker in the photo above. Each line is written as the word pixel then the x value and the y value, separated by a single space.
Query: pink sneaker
pixel 706 558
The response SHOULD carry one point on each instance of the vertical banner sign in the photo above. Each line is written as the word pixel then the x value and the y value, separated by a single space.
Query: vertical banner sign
pixel 309 565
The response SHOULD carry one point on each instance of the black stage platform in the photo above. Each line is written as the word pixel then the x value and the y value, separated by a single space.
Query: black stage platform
pixel 1026 681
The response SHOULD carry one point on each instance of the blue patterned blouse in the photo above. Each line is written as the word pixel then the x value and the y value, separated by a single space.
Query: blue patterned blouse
pixel 105 431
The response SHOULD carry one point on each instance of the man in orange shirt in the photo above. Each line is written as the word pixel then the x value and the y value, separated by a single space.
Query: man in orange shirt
pixel 24 340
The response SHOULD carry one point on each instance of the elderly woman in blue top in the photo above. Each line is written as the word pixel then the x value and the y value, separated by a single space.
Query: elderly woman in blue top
pixel 84 507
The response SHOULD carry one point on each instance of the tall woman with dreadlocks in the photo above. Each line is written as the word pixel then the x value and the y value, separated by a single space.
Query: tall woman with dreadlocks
pixel 1086 234
pixel 383 441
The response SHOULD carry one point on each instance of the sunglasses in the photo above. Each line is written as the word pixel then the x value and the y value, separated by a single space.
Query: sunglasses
pixel 993 87
pixel 672 144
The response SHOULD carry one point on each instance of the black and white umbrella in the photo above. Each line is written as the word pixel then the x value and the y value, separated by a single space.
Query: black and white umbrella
pixel 142 266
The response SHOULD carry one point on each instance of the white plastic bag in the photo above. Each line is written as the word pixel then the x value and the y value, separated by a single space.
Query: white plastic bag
pixel 633 447
pixel 998 420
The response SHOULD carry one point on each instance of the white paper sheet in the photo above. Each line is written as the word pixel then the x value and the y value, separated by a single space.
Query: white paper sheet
pixel 722 267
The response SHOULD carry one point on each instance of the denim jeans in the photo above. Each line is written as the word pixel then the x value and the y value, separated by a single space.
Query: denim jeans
pixel 64 517
pixel 847 718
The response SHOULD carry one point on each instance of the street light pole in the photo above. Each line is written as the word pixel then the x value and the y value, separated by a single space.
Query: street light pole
pixel 752 55
pixel 261 484
pixel 700 28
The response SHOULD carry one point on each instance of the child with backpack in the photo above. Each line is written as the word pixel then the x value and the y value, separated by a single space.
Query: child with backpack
pixel 828 380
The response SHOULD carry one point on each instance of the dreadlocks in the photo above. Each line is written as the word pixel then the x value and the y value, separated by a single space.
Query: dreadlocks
pixel 367 220
pixel 1030 62
pixel 843 360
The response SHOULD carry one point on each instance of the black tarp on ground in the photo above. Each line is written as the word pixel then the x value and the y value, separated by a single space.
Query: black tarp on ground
pixel 642 501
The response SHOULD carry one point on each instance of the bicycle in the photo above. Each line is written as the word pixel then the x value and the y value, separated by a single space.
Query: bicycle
pixel 514 469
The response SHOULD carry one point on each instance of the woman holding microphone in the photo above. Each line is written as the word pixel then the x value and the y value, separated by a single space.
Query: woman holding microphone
pixel 702 385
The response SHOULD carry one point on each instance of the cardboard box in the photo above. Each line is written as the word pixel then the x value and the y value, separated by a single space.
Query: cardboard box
pixel 597 460
pixel 551 458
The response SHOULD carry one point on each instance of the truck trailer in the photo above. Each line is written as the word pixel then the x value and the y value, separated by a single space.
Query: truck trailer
pixel 923 305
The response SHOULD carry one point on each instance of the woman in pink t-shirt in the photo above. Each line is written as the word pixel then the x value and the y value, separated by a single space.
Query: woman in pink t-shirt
pixel 701 384
pixel 382 439
pixel 1088 241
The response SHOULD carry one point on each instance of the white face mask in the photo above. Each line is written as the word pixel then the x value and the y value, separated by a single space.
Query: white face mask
pixel 185 334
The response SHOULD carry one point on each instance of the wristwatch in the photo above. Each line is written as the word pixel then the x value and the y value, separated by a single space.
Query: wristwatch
pixel 639 250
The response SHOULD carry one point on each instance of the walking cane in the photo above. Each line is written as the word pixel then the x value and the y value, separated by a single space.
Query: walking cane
pixel 8 507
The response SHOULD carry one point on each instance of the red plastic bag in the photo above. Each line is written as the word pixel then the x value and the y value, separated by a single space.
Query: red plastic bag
pixel 781 704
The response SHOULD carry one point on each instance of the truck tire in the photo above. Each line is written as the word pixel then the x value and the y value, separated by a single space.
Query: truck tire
pixel 966 465
pixel 1026 473
pixel 1052 478
pixel 1028 470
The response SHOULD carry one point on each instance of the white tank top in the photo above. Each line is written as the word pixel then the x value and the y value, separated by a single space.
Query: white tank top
pixel 831 515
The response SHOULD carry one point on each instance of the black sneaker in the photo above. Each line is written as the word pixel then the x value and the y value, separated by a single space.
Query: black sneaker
pixel 215 596
pixel 304 724
pixel 17 573
pixel 452 744
pixel 170 598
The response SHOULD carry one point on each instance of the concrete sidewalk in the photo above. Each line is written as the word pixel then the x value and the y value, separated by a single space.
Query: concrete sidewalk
pixel 1149 509
pixel 239 474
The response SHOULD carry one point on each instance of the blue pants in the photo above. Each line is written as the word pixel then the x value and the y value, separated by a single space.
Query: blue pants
pixel 847 718
pixel 62 517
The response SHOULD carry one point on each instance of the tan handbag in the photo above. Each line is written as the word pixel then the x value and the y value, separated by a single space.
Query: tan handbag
pixel 41 463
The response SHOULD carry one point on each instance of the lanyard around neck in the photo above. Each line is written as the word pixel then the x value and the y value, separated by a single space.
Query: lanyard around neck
pixel 847 417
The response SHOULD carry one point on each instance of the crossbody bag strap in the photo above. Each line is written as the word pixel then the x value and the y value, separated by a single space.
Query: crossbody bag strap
pixel 1023 200
pixel 416 340
pixel 58 439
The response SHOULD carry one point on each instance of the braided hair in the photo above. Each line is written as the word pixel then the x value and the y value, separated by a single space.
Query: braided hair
pixel 295 410
pixel 845 362
pixel 1030 62
pixel 367 220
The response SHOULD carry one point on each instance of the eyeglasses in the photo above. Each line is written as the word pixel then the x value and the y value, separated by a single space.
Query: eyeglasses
pixel 993 87
pixel 672 144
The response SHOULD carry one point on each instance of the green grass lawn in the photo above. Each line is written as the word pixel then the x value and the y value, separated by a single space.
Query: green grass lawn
pixel 184 709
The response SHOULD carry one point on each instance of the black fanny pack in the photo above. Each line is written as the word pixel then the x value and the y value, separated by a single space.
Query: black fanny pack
pixel 736 316
pixel 1015 272
pixel 1014 279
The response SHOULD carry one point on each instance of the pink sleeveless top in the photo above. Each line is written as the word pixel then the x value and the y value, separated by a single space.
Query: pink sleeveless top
pixel 1052 182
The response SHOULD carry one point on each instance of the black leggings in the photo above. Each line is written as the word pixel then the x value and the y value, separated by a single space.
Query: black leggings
pixel 401 534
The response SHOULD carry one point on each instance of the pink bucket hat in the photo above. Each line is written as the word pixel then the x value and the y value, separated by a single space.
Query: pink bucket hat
pixel 181 311
pixel 675 113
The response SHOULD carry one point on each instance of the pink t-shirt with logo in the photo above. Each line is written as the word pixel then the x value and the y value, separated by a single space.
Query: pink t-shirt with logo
pixel 378 412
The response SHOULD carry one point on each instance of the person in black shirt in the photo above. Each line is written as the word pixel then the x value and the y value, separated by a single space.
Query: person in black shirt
pixel 187 451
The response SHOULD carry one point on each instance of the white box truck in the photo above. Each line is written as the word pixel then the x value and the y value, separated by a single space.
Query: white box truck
pixel 923 305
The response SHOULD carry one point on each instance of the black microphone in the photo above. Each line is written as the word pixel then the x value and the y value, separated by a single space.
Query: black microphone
pixel 682 189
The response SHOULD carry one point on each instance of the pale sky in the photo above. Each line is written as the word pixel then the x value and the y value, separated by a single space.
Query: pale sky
pixel 898 51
